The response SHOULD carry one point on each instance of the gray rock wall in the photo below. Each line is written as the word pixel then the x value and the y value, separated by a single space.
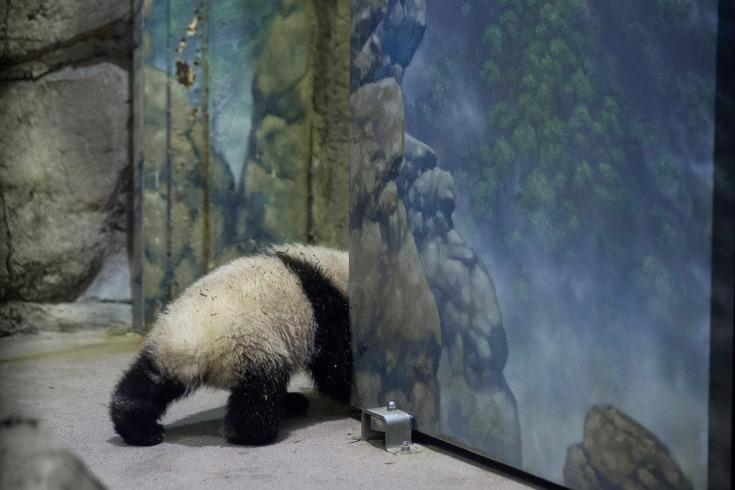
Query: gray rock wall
pixel 41 36
pixel 4 250
pixel 31 458
pixel 64 164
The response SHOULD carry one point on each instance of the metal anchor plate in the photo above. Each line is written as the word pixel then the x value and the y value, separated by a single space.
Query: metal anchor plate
pixel 395 423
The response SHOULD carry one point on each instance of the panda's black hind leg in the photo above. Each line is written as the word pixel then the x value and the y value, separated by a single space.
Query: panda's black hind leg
pixel 140 399
pixel 331 366
pixel 256 406
pixel 295 404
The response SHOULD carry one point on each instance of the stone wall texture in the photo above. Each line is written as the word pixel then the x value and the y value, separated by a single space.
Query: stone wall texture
pixel 64 160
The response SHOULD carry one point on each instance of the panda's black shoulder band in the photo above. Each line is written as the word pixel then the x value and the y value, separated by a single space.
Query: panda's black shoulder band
pixel 319 289
pixel 331 364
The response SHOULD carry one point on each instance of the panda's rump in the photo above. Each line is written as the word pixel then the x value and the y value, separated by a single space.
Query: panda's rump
pixel 251 312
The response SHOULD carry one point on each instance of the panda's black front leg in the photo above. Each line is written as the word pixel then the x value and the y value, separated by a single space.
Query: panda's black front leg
pixel 140 399
pixel 255 406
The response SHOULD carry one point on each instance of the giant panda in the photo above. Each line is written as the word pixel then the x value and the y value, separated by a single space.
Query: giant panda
pixel 245 327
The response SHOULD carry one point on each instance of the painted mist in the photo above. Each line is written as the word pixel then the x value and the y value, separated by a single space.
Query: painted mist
pixel 580 135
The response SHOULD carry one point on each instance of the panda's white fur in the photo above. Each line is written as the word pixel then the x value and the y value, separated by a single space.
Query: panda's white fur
pixel 251 309
pixel 246 324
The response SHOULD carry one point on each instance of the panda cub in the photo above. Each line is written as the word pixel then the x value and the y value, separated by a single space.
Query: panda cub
pixel 246 327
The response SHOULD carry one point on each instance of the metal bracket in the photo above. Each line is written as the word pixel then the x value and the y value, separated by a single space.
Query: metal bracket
pixel 395 423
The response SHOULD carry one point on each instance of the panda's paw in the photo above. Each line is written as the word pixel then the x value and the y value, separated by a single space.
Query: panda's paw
pixel 250 439
pixel 148 434
pixel 249 436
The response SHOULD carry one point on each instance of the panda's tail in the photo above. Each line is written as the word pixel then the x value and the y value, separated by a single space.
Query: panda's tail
pixel 140 399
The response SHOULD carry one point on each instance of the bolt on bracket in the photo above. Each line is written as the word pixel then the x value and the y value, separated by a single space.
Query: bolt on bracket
pixel 395 423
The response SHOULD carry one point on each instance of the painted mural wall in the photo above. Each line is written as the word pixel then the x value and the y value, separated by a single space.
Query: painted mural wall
pixel 241 137
pixel 530 225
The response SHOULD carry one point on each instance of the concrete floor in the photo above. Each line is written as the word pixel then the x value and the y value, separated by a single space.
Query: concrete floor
pixel 65 380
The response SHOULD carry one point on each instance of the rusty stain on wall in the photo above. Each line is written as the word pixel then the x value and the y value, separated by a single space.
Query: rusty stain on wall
pixel 184 73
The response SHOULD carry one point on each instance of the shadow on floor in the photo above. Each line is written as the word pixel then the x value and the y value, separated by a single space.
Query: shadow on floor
pixel 204 428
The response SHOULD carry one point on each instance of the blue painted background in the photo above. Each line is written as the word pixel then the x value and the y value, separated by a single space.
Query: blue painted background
pixel 580 136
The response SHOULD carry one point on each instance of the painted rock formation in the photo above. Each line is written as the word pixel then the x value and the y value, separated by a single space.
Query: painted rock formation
pixel 617 452
pixel 295 180
pixel 429 329
pixel 187 186
pixel 474 346
pixel 397 334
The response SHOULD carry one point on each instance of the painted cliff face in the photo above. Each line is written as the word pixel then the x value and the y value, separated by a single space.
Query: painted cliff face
pixel 234 154
pixel 530 228
pixel 428 333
